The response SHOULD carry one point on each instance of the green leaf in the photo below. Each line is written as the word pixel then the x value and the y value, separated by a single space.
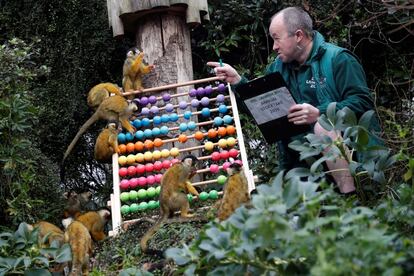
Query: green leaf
pixel 366 119
pixel 331 113
pixel 64 254
pixel 37 272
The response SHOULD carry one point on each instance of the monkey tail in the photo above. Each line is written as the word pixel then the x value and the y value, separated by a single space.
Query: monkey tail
pixel 82 130
pixel 150 233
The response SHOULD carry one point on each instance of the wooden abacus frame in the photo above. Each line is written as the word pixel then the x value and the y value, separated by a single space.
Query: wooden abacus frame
pixel 115 201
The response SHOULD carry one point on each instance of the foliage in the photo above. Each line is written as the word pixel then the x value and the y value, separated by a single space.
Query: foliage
pixel 20 252
pixel 23 186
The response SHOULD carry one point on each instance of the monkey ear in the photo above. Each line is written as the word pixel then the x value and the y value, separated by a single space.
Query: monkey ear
pixel 231 160
pixel 66 195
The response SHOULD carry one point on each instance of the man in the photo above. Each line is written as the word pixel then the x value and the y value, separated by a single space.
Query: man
pixel 316 73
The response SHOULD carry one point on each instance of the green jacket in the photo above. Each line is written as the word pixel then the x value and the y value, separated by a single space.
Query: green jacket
pixel 341 79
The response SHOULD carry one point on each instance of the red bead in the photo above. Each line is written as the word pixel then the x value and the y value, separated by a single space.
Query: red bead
pixel 123 172
pixel 215 156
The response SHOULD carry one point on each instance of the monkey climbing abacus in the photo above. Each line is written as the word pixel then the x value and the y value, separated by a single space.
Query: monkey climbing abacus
pixel 137 171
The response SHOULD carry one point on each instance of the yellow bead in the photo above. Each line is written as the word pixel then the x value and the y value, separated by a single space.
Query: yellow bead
pixel 156 154
pixel 209 146
pixel 131 159
pixel 148 156
pixel 222 143
pixel 122 160
pixel 165 153
pixel 139 157
pixel 174 152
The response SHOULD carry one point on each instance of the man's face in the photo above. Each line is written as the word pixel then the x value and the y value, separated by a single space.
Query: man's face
pixel 284 45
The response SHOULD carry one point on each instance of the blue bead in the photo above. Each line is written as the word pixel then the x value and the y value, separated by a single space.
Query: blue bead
pixel 148 133
pixel 187 115
pixel 222 108
pixel 165 118
pixel 227 119
pixel 218 121
pixel 121 138
pixel 164 130
pixel 183 127
pixel 156 131
pixel 205 112
pixel 145 122
pixel 137 123
pixel 156 120
pixel 139 134
pixel 173 117
pixel 129 137
pixel 191 125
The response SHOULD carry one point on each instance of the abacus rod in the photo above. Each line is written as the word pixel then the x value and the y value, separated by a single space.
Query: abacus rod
pixel 171 86
pixel 177 105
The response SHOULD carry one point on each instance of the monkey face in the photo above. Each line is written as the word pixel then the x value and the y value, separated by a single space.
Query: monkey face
pixel 233 169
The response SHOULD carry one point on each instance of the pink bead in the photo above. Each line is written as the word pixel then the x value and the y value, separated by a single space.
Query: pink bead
pixel 123 172
pixel 157 165
pixel 150 179
pixel 124 184
pixel 224 154
pixel 142 181
pixel 131 170
pixel 226 165
pixel 166 164
pixel 133 182
pixel 158 178
pixel 175 160
pixel 149 167
pixel 214 168
pixel 140 169
pixel 238 162
pixel 215 156
pixel 233 153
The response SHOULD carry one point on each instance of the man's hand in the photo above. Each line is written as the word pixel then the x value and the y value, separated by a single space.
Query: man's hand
pixel 228 73
pixel 303 114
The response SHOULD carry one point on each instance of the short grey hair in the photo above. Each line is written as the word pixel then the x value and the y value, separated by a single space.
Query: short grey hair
pixel 295 18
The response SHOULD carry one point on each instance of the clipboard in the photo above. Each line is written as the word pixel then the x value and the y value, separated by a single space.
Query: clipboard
pixel 268 100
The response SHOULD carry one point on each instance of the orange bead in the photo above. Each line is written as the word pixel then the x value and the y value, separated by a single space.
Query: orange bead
pixel 158 142
pixel 212 133
pixel 130 147
pixel 148 144
pixel 182 138
pixel 199 135
pixel 139 146
pixel 222 131
pixel 122 148
pixel 230 130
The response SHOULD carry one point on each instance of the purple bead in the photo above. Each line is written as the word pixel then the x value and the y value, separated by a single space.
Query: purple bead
pixel 166 97
pixel 143 101
pixel 220 98
pixel 208 90
pixel 145 111
pixel 193 92
pixel 183 105
pixel 221 87
pixel 152 99
pixel 154 109
pixel 194 102
pixel 169 107
pixel 205 101
pixel 200 91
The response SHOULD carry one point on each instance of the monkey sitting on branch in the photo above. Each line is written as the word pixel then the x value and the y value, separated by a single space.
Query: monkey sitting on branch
pixel 100 92
pixel 235 192
pixel 175 183
pixel 133 70
pixel 107 143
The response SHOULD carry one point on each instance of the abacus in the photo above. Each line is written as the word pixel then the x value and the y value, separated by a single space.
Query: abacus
pixel 137 171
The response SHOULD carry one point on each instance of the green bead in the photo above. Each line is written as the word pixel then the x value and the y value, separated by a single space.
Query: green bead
pixel 142 193
pixel 157 204
pixel 203 196
pixel 133 208
pixel 125 209
pixel 158 190
pixel 221 179
pixel 190 197
pixel 213 194
pixel 124 196
pixel 151 192
pixel 143 206
pixel 133 195
pixel 152 204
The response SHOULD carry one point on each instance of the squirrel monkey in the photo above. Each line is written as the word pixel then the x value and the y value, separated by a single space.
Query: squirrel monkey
pixel 115 108
pixel 133 70
pixel 77 235
pixel 107 143
pixel 95 222
pixel 75 203
pixel 100 92
pixel 175 183
pixel 50 230
pixel 236 192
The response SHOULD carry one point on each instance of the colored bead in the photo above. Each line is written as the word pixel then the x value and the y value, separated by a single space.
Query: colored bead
pixel 145 122
pixel 174 152
pixel 149 167
pixel 233 153
pixel 212 133
pixel 139 146
pixel 214 168
pixel 203 196
pixel 200 92
pixel 133 183
pixel 183 127
pixel 151 190
pixel 220 98
pixel 143 101
pixel 154 109
pixel 133 195
pixel 165 118
pixel 226 165
pixel 205 112
pixel 145 111
pixel 221 179
pixel 158 142
pixel 231 141
pixel 122 149
pixel 198 135
pixel 195 103
pixel 218 121
pixel 208 90
pixel 205 101
pixel 213 194
pixel 124 196
pixel 157 165
pixel 152 99
pixel 221 87
pixel 215 156
pixel 139 134
pixel 165 153
pixel 187 115
pixel 142 193
pixel 224 154
pixel 156 154
pixel 193 92
pixel 124 184
pixel 156 131
pixel 169 107
pixel 222 108
pixel 129 136
pixel 191 125
pixel 183 105
pixel 148 133
pixel 124 208
pixel 131 170
pixel 166 97
pixel 143 206
pixel 140 169
pixel 133 208
pixel 227 119
pixel 208 146
pixel 139 157
pixel 230 130
pixel 123 172
pixel 121 138
pixel 173 117
pixel 137 123
pixel 222 143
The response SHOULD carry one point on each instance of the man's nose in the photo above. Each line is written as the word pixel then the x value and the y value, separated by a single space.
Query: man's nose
pixel 275 46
